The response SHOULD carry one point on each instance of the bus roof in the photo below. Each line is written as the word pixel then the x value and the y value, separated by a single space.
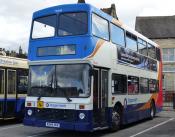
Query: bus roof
pixel 87 7
pixel 13 62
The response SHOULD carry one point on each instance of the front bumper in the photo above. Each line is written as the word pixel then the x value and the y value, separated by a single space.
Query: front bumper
pixel 77 126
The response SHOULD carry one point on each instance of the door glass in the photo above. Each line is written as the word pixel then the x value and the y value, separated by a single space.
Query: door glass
pixel 2 86
pixel 104 92
pixel 11 82
pixel 2 81
pixel 104 88
pixel 96 97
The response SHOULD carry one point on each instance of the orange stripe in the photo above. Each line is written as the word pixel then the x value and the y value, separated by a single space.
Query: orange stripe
pixel 147 105
pixel 98 45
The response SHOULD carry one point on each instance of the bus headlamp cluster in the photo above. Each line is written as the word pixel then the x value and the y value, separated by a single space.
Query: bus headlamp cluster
pixel 29 112
pixel 82 116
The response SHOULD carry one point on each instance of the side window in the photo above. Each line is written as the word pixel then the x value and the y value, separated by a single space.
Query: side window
pixel 22 81
pixel 142 47
pixel 117 35
pixel 100 27
pixel 133 85
pixel 152 86
pixel 152 65
pixel 11 85
pixel 144 85
pixel 158 54
pixel 157 86
pixel 131 42
pixel 151 51
pixel 119 84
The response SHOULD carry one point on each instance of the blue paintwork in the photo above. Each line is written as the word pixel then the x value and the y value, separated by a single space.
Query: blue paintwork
pixel 84 47
pixel 20 104
pixel 77 125
pixel 70 8
pixel 85 44
pixel 130 114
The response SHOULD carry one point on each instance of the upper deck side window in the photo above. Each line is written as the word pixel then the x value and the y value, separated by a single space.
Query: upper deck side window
pixel 142 47
pixel 158 54
pixel 117 35
pixel 151 51
pixel 131 41
pixel 73 24
pixel 100 27
pixel 44 27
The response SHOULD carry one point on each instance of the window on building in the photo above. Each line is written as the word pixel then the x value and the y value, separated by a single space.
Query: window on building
pixel 142 47
pixel 100 27
pixel 117 35
pixel 133 85
pixel 169 67
pixel 169 81
pixel 151 51
pixel 131 42
pixel 168 54
pixel 119 84
pixel 144 85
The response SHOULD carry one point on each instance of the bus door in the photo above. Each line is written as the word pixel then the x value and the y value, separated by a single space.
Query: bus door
pixel 2 92
pixel 100 95
pixel 10 103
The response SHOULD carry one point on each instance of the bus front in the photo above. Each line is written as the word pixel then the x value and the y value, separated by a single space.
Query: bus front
pixel 59 94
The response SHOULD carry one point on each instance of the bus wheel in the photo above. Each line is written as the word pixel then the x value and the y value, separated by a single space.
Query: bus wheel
pixel 116 119
pixel 152 110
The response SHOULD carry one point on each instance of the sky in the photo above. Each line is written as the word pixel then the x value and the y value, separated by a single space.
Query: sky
pixel 16 15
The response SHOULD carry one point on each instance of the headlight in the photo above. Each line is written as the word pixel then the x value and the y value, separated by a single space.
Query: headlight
pixel 81 116
pixel 29 112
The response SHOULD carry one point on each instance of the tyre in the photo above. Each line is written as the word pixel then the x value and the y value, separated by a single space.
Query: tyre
pixel 152 110
pixel 116 119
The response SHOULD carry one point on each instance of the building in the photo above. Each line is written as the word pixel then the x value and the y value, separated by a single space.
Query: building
pixel 161 29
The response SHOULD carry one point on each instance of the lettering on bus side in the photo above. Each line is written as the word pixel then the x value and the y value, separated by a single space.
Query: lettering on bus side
pixel 55 105
pixel 129 57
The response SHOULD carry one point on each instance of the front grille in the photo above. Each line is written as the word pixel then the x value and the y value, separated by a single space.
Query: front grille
pixel 56 114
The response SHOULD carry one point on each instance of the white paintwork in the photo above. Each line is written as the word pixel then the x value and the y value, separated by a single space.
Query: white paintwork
pixel 12 62
pixel 61 103
pixel 106 56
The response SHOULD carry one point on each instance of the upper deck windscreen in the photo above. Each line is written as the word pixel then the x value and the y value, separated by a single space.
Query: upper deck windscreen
pixel 69 24
pixel 44 27
pixel 73 24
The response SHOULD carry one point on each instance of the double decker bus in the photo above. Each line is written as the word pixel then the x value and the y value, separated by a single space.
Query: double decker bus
pixel 88 71
pixel 13 87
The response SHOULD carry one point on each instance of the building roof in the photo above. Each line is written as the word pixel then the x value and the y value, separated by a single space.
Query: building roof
pixel 156 27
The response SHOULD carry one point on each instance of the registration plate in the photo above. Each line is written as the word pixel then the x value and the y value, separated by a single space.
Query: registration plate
pixel 49 124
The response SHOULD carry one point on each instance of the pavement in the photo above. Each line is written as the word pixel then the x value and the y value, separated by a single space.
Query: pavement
pixel 163 125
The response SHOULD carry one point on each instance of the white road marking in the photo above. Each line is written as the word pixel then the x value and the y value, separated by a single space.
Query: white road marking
pixel 160 124
pixel 9 127
pixel 45 133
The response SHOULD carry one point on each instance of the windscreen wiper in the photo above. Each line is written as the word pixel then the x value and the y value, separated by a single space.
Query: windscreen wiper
pixel 64 92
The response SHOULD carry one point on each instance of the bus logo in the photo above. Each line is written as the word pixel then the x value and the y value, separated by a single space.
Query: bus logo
pixel 40 104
